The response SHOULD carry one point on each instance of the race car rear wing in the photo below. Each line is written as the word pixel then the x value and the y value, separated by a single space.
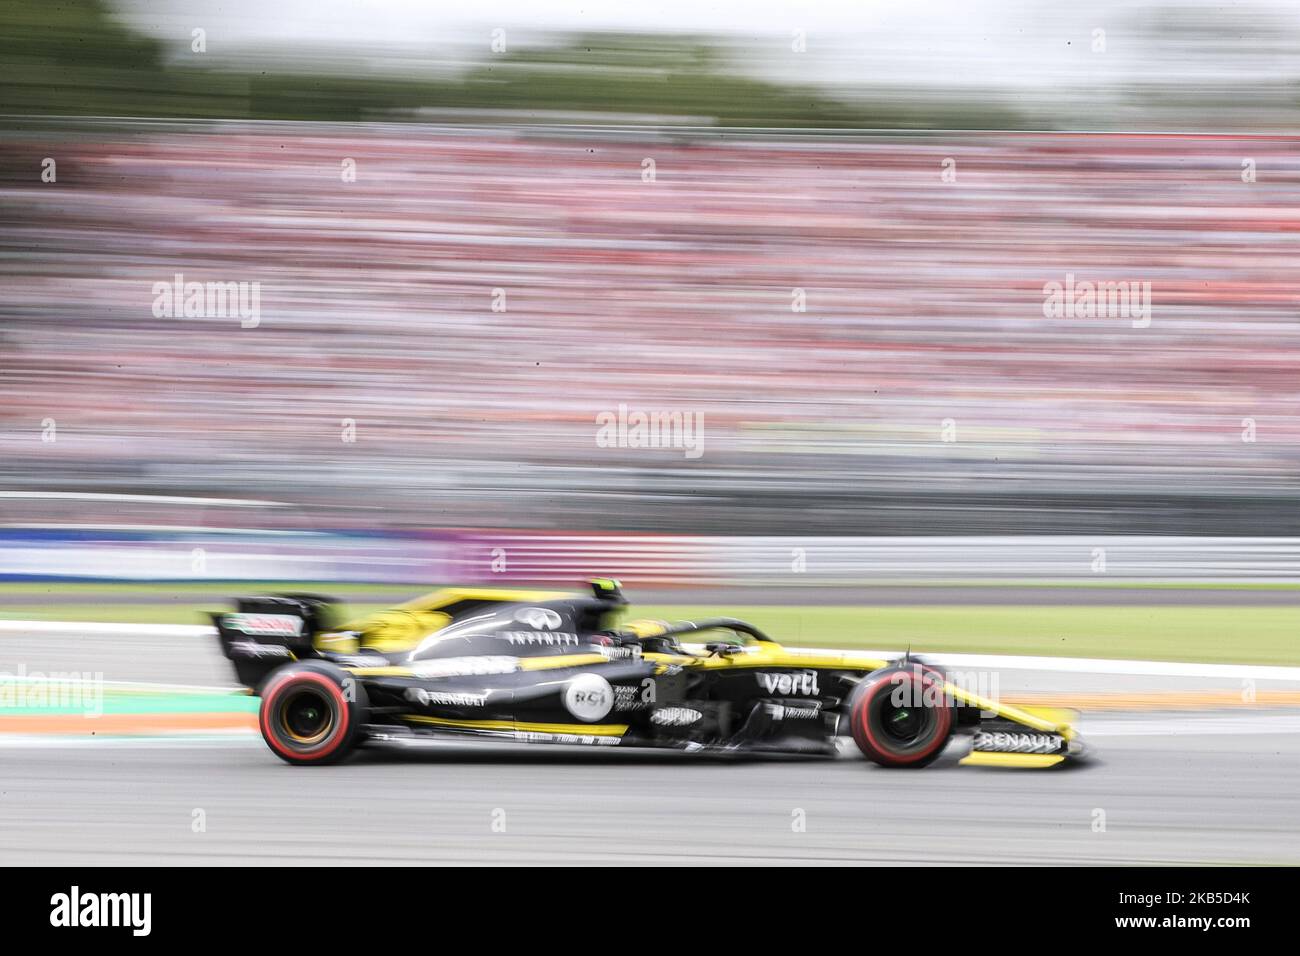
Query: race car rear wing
pixel 269 630
pixel 266 631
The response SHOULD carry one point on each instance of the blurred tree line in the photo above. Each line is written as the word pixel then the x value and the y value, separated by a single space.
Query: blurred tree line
pixel 72 57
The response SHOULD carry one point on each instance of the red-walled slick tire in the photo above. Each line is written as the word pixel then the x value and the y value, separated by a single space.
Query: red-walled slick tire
pixel 311 713
pixel 900 717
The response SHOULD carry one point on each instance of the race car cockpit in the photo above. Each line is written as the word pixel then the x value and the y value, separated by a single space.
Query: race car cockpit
pixel 666 638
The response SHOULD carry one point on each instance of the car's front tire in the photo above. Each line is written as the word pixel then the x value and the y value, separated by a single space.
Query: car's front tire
pixel 312 713
pixel 900 717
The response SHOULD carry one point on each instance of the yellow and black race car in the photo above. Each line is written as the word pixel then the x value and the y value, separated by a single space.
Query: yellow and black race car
pixel 556 667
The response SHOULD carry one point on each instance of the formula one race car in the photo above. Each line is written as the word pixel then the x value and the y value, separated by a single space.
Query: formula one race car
pixel 556 667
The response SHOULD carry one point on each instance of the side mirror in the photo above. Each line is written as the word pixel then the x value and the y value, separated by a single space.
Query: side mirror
pixel 723 648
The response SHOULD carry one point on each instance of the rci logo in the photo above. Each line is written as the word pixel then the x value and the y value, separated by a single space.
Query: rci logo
pixel 589 697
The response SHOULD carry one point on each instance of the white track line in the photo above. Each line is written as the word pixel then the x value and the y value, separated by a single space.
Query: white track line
pixel 1094 725
pixel 180 739
pixel 115 630
pixel 75 678
pixel 1091 665
pixel 1076 665
pixel 155 499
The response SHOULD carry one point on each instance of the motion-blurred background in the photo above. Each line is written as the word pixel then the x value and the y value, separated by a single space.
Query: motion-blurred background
pixel 364 298
pixel 826 236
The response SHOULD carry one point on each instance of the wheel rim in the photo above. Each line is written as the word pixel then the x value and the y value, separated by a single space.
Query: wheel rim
pixel 905 725
pixel 306 717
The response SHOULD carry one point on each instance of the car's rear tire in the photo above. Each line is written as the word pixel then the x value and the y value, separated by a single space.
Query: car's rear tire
pixel 900 717
pixel 311 713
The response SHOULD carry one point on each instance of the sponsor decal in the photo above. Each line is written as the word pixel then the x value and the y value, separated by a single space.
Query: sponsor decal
pixel 1015 743
pixel 790 684
pixel 629 697
pixel 264 625
pixel 75 908
pixel 436 698
pixel 541 618
pixel 538 737
pixel 812 710
pixel 589 697
pixel 465 666
pixel 541 638
pixel 675 717
pixel 621 652
pixel 254 649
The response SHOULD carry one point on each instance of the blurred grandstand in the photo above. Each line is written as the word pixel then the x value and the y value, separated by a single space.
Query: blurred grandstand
pixel 924 304
pixel 437 337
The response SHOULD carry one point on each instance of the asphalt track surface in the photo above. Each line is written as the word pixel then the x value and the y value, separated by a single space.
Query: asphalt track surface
pixel 1211 788
pixel 1225 795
